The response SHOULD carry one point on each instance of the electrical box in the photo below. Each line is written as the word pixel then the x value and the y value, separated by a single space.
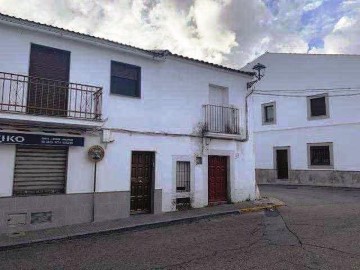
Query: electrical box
pixel 107 136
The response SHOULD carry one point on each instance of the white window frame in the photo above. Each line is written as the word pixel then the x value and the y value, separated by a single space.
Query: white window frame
pixel 190 159
pixel 186 180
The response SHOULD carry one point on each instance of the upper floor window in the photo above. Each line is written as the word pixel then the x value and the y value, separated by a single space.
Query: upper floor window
pixel 269 113
pixel 320 155
pixel 125 79
pixel 318 106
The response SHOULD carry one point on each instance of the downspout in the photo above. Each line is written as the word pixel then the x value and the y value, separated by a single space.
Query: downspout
pixel 258 67
pixel 246 117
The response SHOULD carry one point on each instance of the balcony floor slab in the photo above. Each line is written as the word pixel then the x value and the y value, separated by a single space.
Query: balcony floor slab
pixel 48 121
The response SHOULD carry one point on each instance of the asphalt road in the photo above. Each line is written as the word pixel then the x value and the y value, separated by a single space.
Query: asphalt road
pixel 318 229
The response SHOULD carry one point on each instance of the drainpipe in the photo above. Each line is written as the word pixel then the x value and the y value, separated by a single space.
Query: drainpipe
pixel 260 68
pixel 246 117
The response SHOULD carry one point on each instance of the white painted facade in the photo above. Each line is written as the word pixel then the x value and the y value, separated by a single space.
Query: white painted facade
pixel 306 75
pixel 165 120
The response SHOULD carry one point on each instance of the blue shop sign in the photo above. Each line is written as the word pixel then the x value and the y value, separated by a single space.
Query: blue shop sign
pixel 39 139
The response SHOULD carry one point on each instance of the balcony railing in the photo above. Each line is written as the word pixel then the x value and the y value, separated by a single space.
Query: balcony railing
pixel 221 119
pixel 39 96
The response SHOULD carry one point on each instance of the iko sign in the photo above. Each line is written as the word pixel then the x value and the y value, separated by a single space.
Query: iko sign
pixel 39 139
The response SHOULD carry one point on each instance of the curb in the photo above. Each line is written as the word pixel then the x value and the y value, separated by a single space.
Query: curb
pixel 309 186
pixel 117 230
pixel 259 208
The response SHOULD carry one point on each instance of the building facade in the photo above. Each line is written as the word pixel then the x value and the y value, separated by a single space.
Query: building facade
pixel 306 120
pixel 173 129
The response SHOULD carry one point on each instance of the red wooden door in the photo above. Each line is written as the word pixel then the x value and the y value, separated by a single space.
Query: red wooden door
pixel 217 179
pixel 141 182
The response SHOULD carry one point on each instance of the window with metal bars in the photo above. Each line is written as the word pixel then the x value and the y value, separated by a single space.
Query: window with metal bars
pixel 182 176
pixel 125 79
pixel 320 154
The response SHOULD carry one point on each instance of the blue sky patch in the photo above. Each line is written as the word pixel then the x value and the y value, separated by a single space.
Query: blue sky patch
pixel 315 22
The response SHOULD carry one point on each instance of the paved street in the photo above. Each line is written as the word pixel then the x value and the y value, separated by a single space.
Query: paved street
pixel 318 229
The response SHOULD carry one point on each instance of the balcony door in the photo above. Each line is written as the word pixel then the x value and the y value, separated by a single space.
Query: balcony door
pixel 218 96
pixel 219 110
pixel 48 82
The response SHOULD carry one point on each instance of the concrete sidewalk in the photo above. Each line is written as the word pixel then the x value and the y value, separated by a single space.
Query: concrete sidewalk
pixel 135 222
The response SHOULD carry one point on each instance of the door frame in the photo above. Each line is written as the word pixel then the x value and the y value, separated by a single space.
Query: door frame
pixel 287 148
pixel 152 194
pixel 228 175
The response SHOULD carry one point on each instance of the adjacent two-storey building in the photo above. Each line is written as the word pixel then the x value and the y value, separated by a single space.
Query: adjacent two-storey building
pixel 173 129
pixel 306 120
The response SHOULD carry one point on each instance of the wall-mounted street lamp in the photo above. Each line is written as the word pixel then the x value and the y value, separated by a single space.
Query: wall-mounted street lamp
pixel 260 72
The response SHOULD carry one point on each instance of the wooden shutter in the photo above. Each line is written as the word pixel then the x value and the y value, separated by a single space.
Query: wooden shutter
pixel 40 170
pixel 125 79
pixel 49 78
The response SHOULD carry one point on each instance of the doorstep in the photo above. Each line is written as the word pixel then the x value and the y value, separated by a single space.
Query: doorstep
pixel 136 222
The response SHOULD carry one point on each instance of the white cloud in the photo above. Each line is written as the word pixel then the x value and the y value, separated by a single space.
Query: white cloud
pixel 230 32
pixel 344 37
pixel 313 5
pixel 344 23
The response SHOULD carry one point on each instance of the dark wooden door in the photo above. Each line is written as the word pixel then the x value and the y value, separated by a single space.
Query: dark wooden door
pixel 142 164
pixel 217 179
pixel 49 80
pixel 282 164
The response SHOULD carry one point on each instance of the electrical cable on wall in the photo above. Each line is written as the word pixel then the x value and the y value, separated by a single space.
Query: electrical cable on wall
pixel 311 90
pixel 284 95
pixel 334 92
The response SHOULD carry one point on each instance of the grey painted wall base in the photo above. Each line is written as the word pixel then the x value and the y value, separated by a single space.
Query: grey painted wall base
pixel 112 205
pixel 66 209
pixel 157 206
pixel 311 177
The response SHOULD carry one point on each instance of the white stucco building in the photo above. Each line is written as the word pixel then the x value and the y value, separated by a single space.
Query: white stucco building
pixel 173 129
pixel 306 119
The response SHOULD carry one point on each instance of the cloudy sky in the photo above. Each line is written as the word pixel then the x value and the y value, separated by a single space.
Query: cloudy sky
pixel 228 32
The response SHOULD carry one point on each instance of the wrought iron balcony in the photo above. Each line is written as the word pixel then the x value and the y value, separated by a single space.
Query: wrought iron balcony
pixel 39 96
pixel 221 119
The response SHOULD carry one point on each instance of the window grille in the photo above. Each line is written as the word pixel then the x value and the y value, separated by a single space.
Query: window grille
pixel 320 155
pixel 182 176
